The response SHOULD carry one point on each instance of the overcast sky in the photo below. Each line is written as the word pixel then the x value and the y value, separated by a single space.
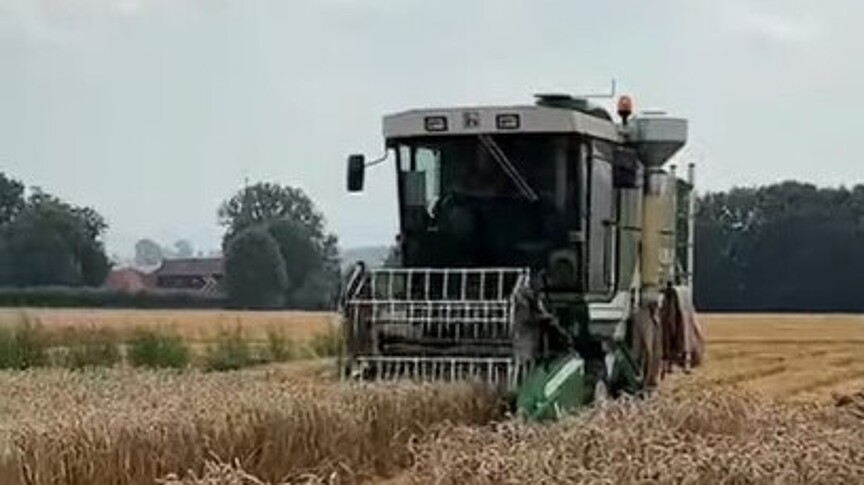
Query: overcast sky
pixel 152 111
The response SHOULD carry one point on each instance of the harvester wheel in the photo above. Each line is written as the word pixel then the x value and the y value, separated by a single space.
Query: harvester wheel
pixel 601 392
pixel 597 380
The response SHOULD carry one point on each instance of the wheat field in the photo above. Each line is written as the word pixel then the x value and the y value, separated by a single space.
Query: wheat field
pixel 788 357
pixel 195 326
pixel 762 409
pixel 796 357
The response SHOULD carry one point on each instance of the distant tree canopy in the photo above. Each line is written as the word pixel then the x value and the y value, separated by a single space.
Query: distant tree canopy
pixel 309 253
pixel 183 249
pixel 789 246
pixel 148 252
pixel 46 241
pixel 393 258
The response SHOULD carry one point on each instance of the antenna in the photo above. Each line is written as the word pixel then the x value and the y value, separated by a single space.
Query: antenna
pixel 613 91
pixel 245 174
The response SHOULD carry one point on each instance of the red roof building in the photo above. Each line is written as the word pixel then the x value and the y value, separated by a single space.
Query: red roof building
pixel 126 279
pixel 199 274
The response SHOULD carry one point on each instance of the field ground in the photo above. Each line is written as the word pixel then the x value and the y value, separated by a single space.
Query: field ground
pixel 790 357
pixel 796 357
pixel 195 326
pixel 292 423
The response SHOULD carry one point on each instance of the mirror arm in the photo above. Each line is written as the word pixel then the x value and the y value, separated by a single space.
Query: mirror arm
pixel 378 161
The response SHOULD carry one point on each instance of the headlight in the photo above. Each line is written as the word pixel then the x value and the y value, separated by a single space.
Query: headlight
pixel 435 123
pixel 507 121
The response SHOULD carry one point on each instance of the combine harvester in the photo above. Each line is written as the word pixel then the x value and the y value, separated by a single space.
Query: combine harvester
pixel 543 249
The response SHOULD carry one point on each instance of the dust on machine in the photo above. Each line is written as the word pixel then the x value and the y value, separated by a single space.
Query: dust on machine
pixel 544 249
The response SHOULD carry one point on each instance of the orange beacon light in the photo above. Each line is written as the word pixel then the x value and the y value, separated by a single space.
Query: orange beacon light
pixel 625 108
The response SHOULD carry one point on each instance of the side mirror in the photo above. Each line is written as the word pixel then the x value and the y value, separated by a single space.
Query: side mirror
pixel 356 172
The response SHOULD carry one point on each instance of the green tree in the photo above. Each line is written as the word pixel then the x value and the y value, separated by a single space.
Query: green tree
pixel 6 263
pixel 310 253
pixel 95 264
pixel 11 203
pixel 148 252
pixel 264 202
pixel 50 242
pixel 40 250
pixel 299 253
pixel 11 198
pixel 254 270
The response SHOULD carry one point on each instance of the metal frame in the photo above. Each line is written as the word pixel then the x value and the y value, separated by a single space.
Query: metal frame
pixel 436 324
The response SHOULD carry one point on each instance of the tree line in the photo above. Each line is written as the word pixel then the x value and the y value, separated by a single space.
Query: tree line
pixel 789 246
pixel 278 252
pixel 785 247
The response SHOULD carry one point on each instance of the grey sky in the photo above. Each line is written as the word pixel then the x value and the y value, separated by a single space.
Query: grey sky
pixel 153 111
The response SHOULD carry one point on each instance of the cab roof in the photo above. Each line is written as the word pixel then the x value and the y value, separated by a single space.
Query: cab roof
pixel 457 121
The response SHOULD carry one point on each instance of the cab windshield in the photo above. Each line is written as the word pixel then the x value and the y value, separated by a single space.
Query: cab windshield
pixel 484 199
pixel 498 167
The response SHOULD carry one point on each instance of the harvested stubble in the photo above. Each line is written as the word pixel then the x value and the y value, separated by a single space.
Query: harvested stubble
pixel 706 437
pixel 852 403
pixel 126 427
pixel 803 358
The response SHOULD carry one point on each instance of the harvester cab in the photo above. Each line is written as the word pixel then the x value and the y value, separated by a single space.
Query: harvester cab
pixel 538 249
